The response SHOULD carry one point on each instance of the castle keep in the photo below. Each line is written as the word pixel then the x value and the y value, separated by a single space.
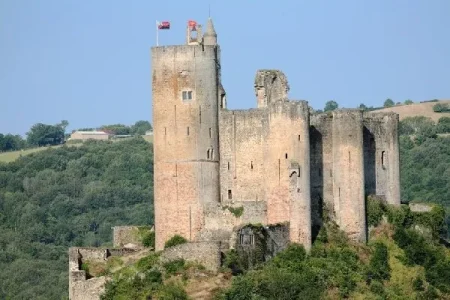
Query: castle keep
pixel 275 164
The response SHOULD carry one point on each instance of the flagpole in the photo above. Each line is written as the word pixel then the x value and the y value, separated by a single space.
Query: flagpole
pixel 157 34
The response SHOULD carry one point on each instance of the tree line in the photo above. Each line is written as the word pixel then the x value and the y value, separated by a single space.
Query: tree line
pixel 49 135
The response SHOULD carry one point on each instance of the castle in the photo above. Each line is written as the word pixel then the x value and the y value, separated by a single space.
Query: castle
pixel 276 164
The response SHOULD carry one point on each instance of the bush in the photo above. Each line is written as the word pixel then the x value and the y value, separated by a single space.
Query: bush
pixel 174 266
pixel 148 239
pixel 172 292
pixel 379 268
pixel 375 211
pixel 175 240
pixel 441 107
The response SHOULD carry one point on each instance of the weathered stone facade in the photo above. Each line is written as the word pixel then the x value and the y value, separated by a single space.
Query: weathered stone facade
pixel 274 164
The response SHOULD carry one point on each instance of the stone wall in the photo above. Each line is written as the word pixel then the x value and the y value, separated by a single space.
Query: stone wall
pixel 270 86
pixel 80 286
pixel 205 253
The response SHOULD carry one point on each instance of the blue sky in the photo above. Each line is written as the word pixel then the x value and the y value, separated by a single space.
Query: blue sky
pixel 88 61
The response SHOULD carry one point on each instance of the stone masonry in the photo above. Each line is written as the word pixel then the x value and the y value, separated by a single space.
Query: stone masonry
pixel 218 169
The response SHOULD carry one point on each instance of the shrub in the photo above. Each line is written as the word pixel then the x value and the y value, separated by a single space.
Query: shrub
pixel 236 211
pixel 409 102
pixel 148 239
pixel 441 107
pixel 375 211
pixel 174 266
pixel 171 292
pixel 379 268
pixel 175 240
pixel 148 262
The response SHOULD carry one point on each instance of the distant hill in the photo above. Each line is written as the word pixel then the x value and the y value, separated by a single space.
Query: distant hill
pixel 418 109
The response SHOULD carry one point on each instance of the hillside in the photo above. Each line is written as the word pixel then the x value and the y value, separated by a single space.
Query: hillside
pixel 397 261
pixel 418 109
pixel 67 196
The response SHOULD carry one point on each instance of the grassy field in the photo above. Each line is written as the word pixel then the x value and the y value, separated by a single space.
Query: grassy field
pixel 13 155
pixel 418 109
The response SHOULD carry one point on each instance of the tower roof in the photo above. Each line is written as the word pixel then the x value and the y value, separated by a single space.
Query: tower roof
pixel 210 31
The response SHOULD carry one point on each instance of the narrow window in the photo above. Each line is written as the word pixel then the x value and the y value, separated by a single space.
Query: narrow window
pixel 165 130
pixel 299 137
pixel 200 114
pixel 382 159
pixel 186 95
pixel 251 165
pixel 212 153
pixel 299 171
pixel 210 132
pixel 187 130
pixel 339 192
pixel 230 196
pixel 208 154
pixel 286 156
pixel 228 165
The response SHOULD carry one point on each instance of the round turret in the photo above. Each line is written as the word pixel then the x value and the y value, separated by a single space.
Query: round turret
pixel 210 35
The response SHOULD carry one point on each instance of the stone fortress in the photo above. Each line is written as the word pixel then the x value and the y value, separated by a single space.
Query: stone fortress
pixel 277 164
pixel 218 172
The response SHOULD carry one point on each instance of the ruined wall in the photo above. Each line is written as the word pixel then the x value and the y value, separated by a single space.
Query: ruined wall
pixel 270 86
pixel 80 288
pixel 265 157
pixel 205 253
pixel 128 235
pixel 186 142
pixel 382 160
pixel 348 173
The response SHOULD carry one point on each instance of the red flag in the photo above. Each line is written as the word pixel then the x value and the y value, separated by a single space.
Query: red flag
pixel 163 25
pixel 193 25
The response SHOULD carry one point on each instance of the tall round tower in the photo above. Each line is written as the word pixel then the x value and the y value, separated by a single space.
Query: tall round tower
pixel 185 89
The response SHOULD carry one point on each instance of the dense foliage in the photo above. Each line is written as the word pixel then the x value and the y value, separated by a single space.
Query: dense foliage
pixel 425 162
pixel 70 196
pixel 139 128
pixel 145 279
pixel 388 268
pixel 43 134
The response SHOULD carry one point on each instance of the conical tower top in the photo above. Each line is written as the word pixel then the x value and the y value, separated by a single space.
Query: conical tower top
pixel 210 35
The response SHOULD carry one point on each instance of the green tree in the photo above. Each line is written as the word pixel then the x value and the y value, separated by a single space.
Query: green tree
pixel 140 127
pixel 409 102
pixel 43 134
pixel 379 268
pixel 119 129
pixel 388 103
pixel 363 106
pixel 331 105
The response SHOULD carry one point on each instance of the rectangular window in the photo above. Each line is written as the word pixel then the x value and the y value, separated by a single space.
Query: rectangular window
pixel 230 196
pixel 210 132
pixel 186 95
